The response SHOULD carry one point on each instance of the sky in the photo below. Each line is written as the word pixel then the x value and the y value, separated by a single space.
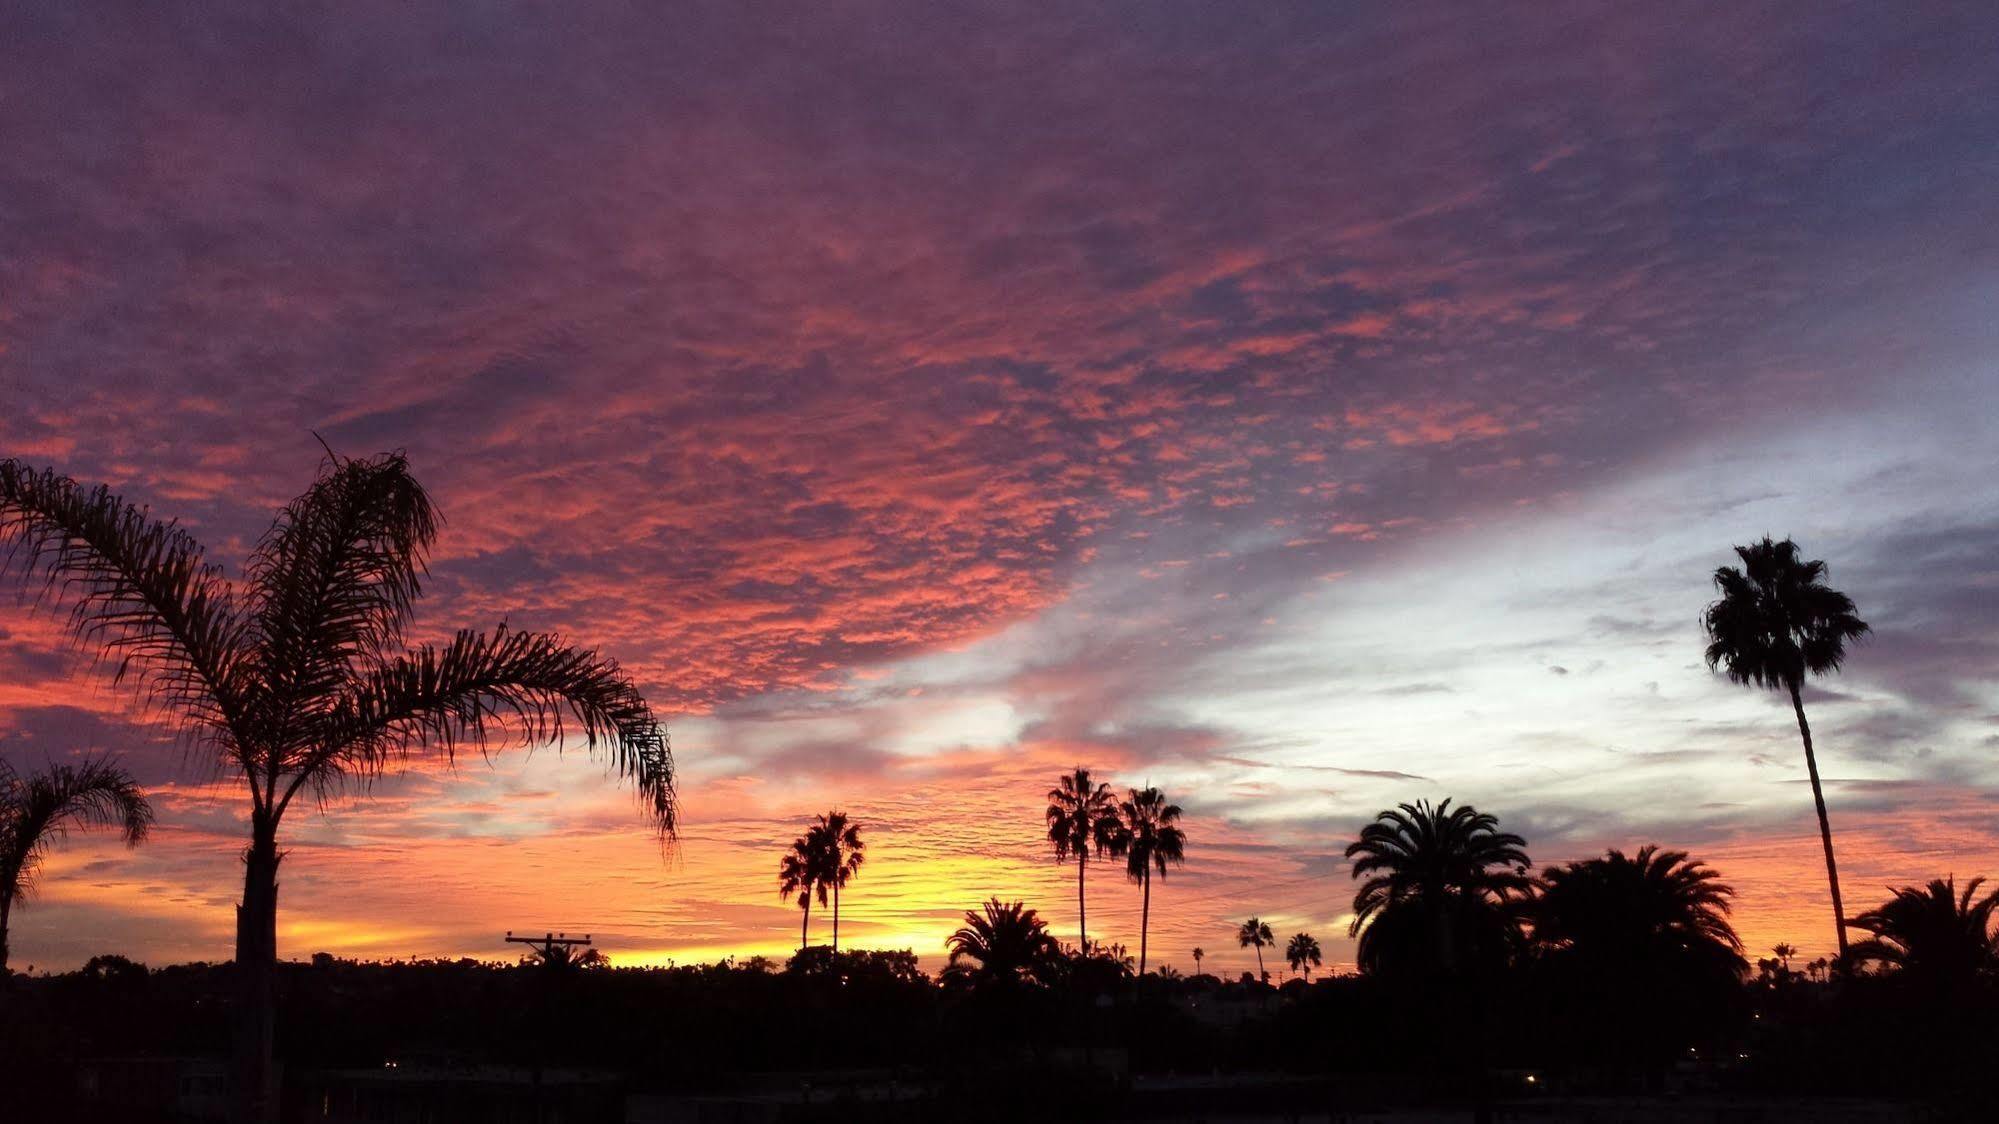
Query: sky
pixel 1302 409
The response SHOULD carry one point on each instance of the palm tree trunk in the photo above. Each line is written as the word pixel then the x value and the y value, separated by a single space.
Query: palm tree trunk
pixel 6 914
pixel 1825 825
pixel 1082 915
pixel 256 964
pixel 836 917
pixel 1144 920
pixel 805 925
pixel 1262 976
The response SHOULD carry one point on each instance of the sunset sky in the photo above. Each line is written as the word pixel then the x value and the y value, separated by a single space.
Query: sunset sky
pixel 1302 409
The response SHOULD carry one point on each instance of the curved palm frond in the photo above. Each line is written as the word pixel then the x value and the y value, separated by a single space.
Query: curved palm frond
pixel 139 592
pixel 447 698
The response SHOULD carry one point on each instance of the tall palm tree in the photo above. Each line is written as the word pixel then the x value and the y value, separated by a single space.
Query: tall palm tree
pixel 1646 913
pixel 37 811
pixel 1082 819
pixel 297 676
pixel 798 873
pixel 1255 934
pixel 1775 623
pixel 835 842
pixel 1937 936
pixel 1150 836
pixel 1198 954
pixel 1002 945
pixel 1439 888
pixel 1303 953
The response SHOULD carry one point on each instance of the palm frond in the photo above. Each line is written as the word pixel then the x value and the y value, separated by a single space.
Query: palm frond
pixel 138 592
pixel 335 577
pixel 458 696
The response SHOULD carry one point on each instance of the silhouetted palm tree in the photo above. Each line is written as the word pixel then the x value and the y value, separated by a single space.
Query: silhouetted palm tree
pixel 1783 953
pixel 297 676
pixel 797 873
pixel 1440 888
pixel 1303 953
pixel 1776 622
pixel 1939 936
pixel 37 811
pixel 1255 934
pixel 557 959
pixel 1150 836
pixel 1198 954
pixel 1645 913
pixel 1637 953
pixel 1003 945
pixel 1082 818
pixel 835 842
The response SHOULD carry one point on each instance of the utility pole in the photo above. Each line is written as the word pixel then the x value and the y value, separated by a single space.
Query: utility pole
pixel 549 942
pixel 551 946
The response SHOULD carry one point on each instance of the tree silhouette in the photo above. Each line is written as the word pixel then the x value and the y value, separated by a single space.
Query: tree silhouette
pixel 1303 953
pixel 297 676
pixel 1082 819
pixel 1002 945
pixel 1776 622
pixel 37 811
pixel 1938 937
pixel 1637 951
pixel 837 853
pixel 1255 934
pixel 1638 908
pixel 1198 954
pixel 798 873
pixel 1150 836
pixel 1783 953
pixel 1440 889
pixel 1656 914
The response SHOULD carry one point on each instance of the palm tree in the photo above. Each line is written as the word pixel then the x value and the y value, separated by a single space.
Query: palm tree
pixel 1938 936
pixel 1440 887
pixel 1303 953
pixel 798 873
pixel 1637 950
pixel 1198 954
pixel 297 677
pixel 1149 834
pixel 1082 818
pixel 837 849
pixel 1783 953
pixel 1002 945
pixel 1255 934
pixel 1776 622
pixel 1643 913
pixel 37 811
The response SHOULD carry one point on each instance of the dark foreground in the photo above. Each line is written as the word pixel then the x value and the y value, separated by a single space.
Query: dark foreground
pixel 866 1036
